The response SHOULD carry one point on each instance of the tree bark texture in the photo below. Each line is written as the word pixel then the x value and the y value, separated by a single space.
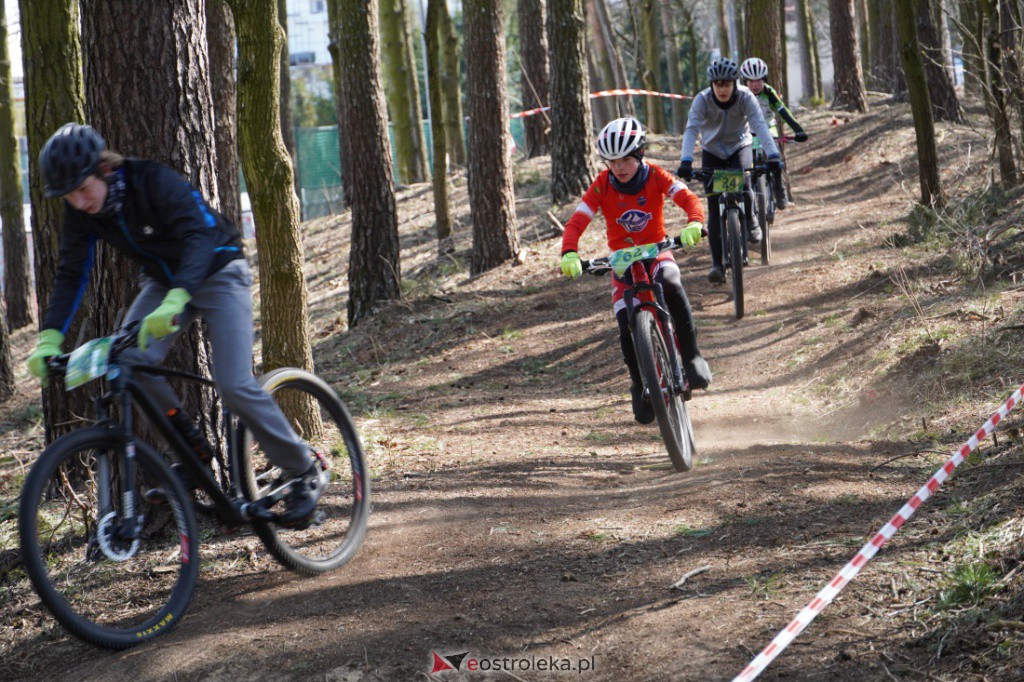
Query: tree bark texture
pixel 147 92
pixel 620 78
pixel 442 211
pixel 783 81
pixel 669 29
pixel 650 77
pixel 764 36
pixel 270 179
pixel 220 36
pixel 533 44
pixel 917 89
pixel 944 102
pixel 572 136
pixel 287 120
pixel 344 152
pixel 847 81
pixel 997 96
pixel 454 132
pixel 17 267
pixel 374 269
pixel 722 21
pixel 740 38
pixel 864 40
pixel 7 385
pixel 491 199
pixel 54 95
pixel 691 38
pixel 886 69
pixel 971 35
pixel 403 91
pixel 1010 28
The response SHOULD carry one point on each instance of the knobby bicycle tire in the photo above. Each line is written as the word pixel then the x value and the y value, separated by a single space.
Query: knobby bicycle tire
pixel 765 212
pixel 672 415
pixel 736 256
pixel 111 601
pixel 342 513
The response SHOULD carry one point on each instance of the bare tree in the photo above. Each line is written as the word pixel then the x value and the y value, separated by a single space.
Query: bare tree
pixel 17 267
pixel 848 84
pixel 652 65
pixel 944 102
pixel 886 68
pixel 675 77
pixel 722 21
pixel 995 23
pixel 442 211
pixel 403 91
pixel 606 38
pixel 344 152
pixel 491 199
pixel 533 43
pixel 220 32
pixel 453 100
pixel 917 88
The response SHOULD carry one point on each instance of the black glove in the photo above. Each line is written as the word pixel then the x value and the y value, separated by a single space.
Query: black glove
pixel 800 136
pixel 774 164
pixel 685 170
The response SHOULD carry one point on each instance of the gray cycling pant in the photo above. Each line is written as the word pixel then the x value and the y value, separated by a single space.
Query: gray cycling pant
pixel 224 301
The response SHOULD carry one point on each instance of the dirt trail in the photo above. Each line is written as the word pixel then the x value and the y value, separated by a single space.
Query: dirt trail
pixel 519 511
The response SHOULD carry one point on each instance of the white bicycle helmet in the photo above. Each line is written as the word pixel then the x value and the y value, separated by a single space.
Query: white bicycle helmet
pixel 754 69
pixel 723 69
pixel 621 138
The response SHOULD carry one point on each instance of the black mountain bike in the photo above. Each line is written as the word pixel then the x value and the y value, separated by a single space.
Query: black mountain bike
pixel 735 223
pixel 654 339
pixel 764 193
pixel 116 570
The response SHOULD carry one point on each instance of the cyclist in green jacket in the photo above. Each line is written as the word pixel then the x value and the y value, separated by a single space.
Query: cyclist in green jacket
pixel 754 71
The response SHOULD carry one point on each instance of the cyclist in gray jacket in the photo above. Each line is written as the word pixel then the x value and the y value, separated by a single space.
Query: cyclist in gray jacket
pixel 723 114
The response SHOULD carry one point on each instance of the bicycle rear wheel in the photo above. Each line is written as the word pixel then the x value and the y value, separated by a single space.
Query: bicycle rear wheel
pixel 765 212
pixel 320 418
pixel 103 583
pixel 736 256
pixel 656 370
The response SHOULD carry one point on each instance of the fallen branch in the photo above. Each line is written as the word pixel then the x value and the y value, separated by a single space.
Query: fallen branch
pixel 697 571
pixel 555 221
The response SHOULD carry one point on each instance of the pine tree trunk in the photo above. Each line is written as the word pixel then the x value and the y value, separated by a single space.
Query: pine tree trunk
pixel 491 199
pixel 442 211
pixel 944 102
pixel 602 109
pixel 17 267
pixel 402 91
pixel 675 77
pixel 691 38
pixel 374 266
pixel 602 74
pixel 996 90
pixel 848 84
pixel 571 133
pixel 652 65
pixel 784 39
pixel 51 49
pixel 971 35
pixel 287 120
pixel 270 179
pixel 765 35
pixel 344 152
pixel 722 20
pixel 741 28
pixel 533 44
pixel 220 35
pixel 6 362
pixel 624 105
pixel 917 89
pixel 887 70
pixel 803 41
pixel 864 40
pixel 814 52
pixel 454 132
pixel 148 92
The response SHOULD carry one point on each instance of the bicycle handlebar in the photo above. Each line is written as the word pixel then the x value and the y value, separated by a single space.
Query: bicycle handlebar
pixel 125 338
pixel 600 266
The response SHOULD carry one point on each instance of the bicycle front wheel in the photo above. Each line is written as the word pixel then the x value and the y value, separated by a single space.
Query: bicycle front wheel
pixel 321 419
pixel 736 256
pixel 764 217
pixel 111 577
pixel 656 370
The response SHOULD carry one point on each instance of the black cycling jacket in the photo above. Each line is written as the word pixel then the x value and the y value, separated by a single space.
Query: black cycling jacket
pixel 164 225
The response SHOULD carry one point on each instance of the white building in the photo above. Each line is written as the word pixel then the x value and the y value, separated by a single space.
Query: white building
pixel 308 33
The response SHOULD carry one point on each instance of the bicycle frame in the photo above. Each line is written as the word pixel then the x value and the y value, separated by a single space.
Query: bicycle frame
pixel 650 295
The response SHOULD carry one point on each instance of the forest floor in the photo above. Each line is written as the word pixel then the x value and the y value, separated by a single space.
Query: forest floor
pixel 519 511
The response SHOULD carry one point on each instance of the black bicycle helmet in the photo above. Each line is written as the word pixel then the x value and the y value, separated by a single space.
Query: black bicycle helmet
pixel 69 157
pixel 723 69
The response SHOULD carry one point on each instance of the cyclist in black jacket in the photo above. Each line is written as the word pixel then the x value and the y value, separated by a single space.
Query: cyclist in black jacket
pixel 192 265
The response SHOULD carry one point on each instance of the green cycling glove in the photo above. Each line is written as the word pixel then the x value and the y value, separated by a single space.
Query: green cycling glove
pixel 48 345
pixel 692 233
pixel 571 265
pixel 160 322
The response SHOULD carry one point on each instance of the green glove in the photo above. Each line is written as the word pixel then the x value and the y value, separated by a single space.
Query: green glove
pixel 160 322
pixel 692 233
pixel 571 265
pixel 47 346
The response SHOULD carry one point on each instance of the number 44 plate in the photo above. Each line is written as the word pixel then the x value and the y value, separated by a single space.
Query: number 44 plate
pixel 87 362
pixel 727 181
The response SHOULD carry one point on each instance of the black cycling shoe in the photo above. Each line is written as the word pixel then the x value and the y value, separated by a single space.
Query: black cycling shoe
pixel 643 411
pixel 716 275
pixel 754 237
pixel 159 496
pixel 303 497
pixel 698 374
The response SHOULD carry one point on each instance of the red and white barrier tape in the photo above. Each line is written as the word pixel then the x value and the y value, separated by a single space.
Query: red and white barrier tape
pixel 850 570
pixel 606 93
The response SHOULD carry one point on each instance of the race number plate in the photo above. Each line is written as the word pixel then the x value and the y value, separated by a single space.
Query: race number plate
pixel 621 260
pixel 727 181
pixel 87 362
